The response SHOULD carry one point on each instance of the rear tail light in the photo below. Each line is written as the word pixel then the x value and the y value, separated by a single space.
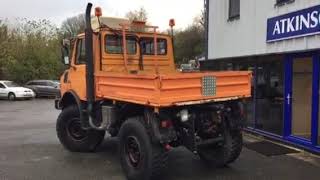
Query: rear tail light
pixel 167 147
pixel 166 123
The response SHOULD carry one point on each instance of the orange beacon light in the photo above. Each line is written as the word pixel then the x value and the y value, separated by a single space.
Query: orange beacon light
pixel 98 11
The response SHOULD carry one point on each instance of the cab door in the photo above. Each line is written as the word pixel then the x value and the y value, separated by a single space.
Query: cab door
pixel 77 71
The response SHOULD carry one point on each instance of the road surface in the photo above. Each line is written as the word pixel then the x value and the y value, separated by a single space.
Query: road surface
pixel 29 149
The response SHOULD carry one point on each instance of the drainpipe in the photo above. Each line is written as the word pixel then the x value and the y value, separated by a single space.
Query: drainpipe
pixel 206 24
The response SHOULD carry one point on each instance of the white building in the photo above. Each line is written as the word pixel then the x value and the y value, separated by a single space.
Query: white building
pixel 279 40
pixel 245 35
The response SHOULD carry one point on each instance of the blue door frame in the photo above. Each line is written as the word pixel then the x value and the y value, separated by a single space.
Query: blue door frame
pixel 286 137
pixel 315 99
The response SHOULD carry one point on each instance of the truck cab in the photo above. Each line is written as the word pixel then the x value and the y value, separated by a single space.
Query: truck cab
pixel 109 56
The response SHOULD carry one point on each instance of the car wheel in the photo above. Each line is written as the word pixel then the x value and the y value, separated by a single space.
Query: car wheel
pixel 11 96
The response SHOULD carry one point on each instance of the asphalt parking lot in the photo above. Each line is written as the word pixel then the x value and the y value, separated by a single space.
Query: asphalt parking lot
pixel 29 149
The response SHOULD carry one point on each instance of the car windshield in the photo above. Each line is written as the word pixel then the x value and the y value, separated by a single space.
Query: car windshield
pixel 11 84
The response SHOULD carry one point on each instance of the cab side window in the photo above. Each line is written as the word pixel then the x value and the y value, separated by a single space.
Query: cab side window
pixel 2 86
pixel 41 83
pixel 30 83
pixel 81 52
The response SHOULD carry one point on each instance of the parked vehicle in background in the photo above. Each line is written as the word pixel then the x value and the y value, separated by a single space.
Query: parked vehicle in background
pixel 44 88
pixel 193 65
pixel 11 91
pixel 186 68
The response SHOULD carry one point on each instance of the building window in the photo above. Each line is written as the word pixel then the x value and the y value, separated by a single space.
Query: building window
pixel 269 97
pixel 282 2
pixel 234 9
pixel 265 108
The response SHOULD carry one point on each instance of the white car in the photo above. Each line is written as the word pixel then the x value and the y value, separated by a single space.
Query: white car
pixel 11 91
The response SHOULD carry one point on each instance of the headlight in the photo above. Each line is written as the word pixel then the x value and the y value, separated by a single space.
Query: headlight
pixel 27 90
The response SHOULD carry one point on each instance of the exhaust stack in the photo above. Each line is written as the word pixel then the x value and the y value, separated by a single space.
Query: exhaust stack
pixel 90 71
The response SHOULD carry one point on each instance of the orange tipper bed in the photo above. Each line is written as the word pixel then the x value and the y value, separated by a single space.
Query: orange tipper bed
pixel 120 77
pixel 175 88
pixel 159 84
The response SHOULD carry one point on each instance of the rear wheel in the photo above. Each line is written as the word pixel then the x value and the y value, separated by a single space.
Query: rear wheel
pixel 72 136
pixel 140 158
pixel 221 155
pixel 11 96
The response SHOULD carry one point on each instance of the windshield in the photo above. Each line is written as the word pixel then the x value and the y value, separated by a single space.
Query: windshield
pixel 11 84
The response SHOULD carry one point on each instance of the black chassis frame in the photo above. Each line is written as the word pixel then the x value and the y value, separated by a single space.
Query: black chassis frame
pixel 184 134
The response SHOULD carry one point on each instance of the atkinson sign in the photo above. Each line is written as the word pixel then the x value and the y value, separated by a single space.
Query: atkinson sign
pixel 296 24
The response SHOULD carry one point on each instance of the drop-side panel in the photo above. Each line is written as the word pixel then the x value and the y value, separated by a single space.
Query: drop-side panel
pixel 140 89
pixel 175 88
pixel 185 88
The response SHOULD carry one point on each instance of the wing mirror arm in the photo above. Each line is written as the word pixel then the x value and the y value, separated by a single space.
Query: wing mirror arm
pixel 73 67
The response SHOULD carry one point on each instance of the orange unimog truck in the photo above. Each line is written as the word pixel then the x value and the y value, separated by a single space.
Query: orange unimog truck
pixel 122 80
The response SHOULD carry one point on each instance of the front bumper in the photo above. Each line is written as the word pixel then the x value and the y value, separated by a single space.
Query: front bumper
pixel 25 95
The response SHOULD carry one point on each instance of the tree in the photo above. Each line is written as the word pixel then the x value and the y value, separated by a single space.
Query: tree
pixel 189 43
pixel 73 26
pixel 3 49
pixel 138 15
pixel 30 51
pixel 200 20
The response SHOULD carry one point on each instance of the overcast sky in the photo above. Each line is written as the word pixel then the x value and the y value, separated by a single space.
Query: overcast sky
pixel 159 11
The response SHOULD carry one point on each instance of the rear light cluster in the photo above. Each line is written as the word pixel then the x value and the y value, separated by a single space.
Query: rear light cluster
pixel 27 90
pixel 166 124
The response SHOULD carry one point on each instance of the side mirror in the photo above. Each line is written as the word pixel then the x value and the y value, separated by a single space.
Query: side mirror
pixel 66 60
pixel 65 51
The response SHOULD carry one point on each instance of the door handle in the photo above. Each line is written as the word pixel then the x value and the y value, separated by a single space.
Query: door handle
pixel 288 98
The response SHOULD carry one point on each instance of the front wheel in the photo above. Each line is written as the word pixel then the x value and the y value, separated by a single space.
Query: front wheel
pixel 139 157
pixel 11 96
pixel 228 152
pixel 72 136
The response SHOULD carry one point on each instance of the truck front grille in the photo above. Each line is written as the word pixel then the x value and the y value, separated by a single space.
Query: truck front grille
pixel 208 86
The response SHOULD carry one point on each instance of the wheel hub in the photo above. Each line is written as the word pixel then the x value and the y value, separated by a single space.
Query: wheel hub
pixel 75 130
pixel 11 97
pixel 132 149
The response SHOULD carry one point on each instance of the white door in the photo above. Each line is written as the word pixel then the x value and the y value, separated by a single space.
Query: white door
pixel 3 91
